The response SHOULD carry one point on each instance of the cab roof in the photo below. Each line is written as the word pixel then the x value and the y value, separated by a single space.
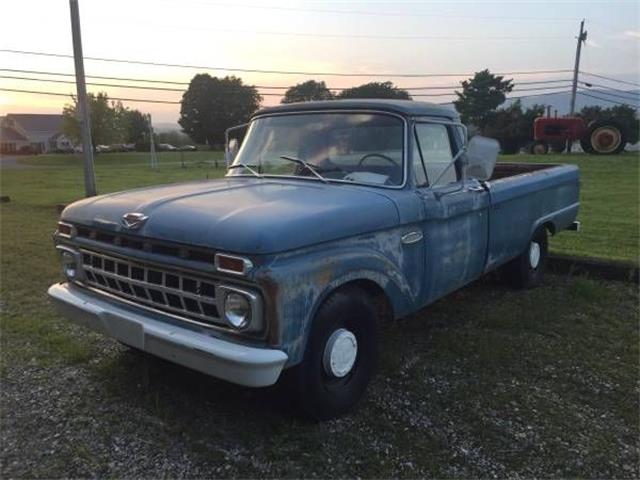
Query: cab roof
pixel 403 107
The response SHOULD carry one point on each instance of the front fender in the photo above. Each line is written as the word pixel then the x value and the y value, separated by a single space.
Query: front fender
pixel 298 284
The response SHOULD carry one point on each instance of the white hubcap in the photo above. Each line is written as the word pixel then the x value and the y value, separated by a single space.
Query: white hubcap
pixel 534 254
pixel 340 353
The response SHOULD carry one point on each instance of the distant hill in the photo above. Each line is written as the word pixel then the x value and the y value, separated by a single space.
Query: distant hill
pixel 166 127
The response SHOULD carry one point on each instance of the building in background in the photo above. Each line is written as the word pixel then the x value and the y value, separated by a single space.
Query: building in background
pixel 32 133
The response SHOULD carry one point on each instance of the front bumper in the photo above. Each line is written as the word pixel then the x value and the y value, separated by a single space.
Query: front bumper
pixel 250 366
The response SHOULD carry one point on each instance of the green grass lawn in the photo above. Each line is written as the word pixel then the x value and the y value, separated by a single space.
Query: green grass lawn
pixel 486 382
pixel 609 206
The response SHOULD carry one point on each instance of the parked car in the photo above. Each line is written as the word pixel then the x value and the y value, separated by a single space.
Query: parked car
pixel 333 217
pixel 188 148
pixel 166 147
pixel 103 148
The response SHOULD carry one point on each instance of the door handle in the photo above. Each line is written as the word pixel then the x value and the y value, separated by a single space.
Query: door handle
pixel 475 188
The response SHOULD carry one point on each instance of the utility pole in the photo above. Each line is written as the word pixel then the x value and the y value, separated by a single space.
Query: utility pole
pixel 85 122
pixel 582 37
pixel 152 143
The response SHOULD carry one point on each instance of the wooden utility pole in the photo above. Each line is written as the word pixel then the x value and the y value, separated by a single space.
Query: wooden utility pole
pixel 85 122
pixel 582 37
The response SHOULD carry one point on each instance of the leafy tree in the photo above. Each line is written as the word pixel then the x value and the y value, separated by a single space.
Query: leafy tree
pixel 107 120
pixel 512 126
pixel 307 91
pixel 376 90
pixel 624 115
pixel 211 105
pixel 137 128
pixel 480 97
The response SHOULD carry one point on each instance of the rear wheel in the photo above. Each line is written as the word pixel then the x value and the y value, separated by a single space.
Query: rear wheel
pixel 527 270
pixel 604 138
pixel 539 148
pixel 341 355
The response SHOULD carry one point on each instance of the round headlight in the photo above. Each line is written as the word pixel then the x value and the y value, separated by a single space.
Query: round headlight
pixel 237 310
pixel 69 266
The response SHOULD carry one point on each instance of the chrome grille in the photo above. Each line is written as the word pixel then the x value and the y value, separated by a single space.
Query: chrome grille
pixel 172 291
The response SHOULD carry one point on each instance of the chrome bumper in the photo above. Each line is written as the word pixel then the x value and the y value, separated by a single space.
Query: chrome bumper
pixel 250 366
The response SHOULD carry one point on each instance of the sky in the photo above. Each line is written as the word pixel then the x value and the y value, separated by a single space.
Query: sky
pixel 378 39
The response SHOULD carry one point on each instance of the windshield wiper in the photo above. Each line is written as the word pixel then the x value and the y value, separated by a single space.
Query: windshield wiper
pixel 247 167
pixel 305 164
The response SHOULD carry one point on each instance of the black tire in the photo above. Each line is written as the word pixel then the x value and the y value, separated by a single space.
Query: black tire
pixel 539 148
pixel 319 394
pixel 604 137
pixel 521 271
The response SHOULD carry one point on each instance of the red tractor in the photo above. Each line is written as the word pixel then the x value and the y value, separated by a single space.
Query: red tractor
pixel 600 137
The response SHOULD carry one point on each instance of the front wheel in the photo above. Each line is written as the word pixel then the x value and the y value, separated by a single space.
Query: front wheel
pixel 539 148
pixel 527 270
pixel 341 355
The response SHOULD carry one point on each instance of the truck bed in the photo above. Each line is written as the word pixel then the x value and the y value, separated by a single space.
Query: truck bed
pixel 503 170
pixel 525 197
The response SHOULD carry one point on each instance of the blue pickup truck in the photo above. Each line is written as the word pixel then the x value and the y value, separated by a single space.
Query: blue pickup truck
pixel 333 217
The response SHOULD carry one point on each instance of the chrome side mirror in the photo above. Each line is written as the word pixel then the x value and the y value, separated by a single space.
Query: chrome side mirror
pixel 231 151
pixel 480 157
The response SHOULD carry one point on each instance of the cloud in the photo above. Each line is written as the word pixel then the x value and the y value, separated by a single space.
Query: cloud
pixel 591 43
pixel 632 33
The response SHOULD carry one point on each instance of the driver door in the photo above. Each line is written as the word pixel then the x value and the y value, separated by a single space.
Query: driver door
pixel 455 225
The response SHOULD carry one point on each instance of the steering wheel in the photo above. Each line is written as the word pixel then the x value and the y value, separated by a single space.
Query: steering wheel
pixel 379 155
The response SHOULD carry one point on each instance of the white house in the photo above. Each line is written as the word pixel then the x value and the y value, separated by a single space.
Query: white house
pixel 39 132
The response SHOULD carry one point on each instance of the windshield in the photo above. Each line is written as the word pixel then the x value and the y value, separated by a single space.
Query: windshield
pixel 351 147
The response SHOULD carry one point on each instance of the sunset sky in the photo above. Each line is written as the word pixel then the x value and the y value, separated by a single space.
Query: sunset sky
pixel 314 36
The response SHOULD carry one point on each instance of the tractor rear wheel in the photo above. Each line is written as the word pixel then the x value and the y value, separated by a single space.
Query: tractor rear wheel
pixel 604 138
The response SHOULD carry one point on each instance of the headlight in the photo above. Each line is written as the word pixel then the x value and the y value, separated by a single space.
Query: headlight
pixel 237 310
pixel 69 265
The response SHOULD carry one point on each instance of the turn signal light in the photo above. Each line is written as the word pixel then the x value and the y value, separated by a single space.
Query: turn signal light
pixel 232 264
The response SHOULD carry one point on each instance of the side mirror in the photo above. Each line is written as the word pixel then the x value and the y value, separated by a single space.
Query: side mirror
pixel 231 151
pixel 480 157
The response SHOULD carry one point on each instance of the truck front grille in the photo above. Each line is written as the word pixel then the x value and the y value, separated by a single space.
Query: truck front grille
pixel 172 291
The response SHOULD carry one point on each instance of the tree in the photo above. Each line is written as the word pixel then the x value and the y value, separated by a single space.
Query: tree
pixel 211 105
pixel 512 126
pixel 624 115
pixel 137 128
pixel 107 120
pixel 376 90
pixel 307 92
pixel 480 97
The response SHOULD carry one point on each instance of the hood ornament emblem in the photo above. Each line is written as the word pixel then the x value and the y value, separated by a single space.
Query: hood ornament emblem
pixel 134 220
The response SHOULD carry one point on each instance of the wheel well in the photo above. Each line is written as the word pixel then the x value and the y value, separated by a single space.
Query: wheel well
pixel 378 296
pixel 551 228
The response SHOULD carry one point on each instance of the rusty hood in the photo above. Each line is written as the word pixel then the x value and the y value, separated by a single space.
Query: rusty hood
pixel 243 215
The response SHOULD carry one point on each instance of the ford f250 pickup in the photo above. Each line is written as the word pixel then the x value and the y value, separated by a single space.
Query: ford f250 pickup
pixel 332 218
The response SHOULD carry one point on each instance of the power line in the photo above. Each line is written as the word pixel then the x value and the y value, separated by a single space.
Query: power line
pixel 279 72
pixel 580 92
pixel 591 84
pixel 611 79
pixel 182 90
pixel 266 87
pixel 58 94
pixel 374 13
pixel 97 84
pixel 601 92
pixel 525 96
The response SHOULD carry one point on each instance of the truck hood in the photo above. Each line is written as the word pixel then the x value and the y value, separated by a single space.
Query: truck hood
pixel 242 215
